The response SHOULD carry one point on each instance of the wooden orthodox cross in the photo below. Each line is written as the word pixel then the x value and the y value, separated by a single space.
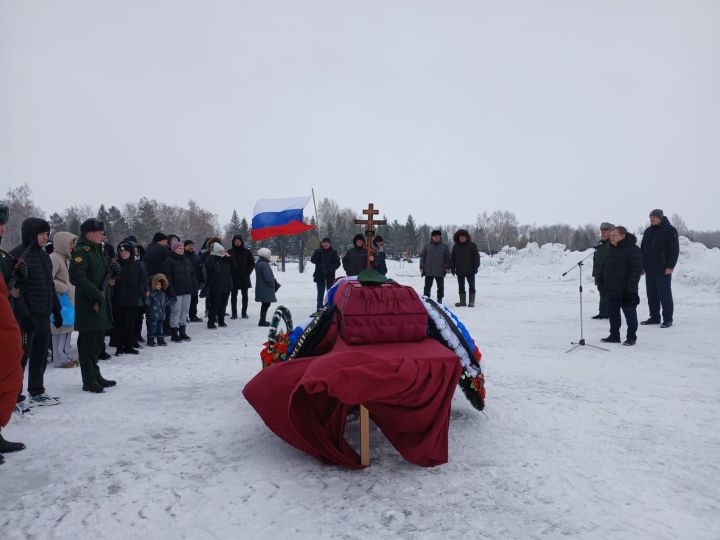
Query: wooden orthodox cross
pixel 369 223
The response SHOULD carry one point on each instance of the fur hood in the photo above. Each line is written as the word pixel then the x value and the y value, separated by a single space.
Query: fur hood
pixel 459 233
pixel 159 278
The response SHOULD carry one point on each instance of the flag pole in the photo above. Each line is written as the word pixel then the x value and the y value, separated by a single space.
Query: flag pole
pixel 317 221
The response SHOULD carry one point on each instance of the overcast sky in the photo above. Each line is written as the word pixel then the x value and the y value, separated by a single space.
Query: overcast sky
pixel 561 111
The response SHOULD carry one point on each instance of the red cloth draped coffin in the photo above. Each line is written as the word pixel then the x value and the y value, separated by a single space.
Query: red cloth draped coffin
pixel 407 386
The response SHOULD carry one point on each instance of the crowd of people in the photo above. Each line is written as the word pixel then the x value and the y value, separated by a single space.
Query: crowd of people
pixel 85 284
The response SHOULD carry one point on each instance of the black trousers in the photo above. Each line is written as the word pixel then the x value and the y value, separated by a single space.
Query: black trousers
pixel 440 286
pixel 264 306
pixel 192 313
pixel 218 304
pixel 323 286
pixel 90 345
pixel 124 326
pixel 35 348
pixel 138 323
pixel 461 283
pixel 659 293
pixel 233 301
pixel 603 307
pixel 631 318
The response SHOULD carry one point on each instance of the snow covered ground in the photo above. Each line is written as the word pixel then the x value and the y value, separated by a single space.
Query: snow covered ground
pixel 592 444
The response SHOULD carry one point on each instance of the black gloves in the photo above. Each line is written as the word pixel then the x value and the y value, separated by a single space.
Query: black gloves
pixel 57 320
pixel 630 299
pixel 114 269
pixel 21 270
pixel 28 325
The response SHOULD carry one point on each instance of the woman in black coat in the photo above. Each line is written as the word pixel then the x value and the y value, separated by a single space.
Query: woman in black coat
pixel 180 272
pixel 219 268
pixel 244 266
pixel 129 289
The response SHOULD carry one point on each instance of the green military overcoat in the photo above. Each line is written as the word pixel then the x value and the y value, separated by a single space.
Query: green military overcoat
pixel 88 268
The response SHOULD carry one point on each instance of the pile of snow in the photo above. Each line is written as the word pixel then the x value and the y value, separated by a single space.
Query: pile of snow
pixel 698 266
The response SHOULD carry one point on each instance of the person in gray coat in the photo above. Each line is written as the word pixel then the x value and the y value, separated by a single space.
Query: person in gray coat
pixel 434 264
pixel 265 284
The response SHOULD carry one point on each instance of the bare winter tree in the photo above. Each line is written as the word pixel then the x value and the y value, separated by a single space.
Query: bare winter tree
pixel 680 225
pixel 19 201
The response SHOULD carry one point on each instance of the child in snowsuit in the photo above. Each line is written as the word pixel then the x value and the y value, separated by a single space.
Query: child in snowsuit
pixel 156 303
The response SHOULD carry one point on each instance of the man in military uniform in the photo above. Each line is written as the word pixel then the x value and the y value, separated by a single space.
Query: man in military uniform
pixel 93 275
pixel 601 251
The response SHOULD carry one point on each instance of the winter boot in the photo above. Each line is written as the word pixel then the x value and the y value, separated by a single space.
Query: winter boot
pixel 151 341
pixel 439 300
pixel 183 334
pixel 161 341
pixel 93 387
pixel 105 383
pixel 130 350
pixel 211 326
pixel 472 300
pixel 610 339
pixel 245 315
pixel 263 315
pixel 175 335
pixel 119 352
pixel 462 300
pixel 7 446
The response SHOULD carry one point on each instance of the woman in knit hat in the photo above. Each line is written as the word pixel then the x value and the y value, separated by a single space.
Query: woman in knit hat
pixel 219 268
pixel 265 284
pixel 180 273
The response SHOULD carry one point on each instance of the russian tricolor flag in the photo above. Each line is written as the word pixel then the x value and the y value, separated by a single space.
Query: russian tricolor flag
pixel 276 217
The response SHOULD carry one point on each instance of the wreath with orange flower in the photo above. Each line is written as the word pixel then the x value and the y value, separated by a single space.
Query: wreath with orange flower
pixel 275 349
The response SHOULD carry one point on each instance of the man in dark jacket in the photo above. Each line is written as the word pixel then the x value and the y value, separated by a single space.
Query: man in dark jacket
pixel 598 264
pixel 434 264
pixel 93 275
pixel 156 253
pixel 464 263
pixel 34 303
pixel 660 250
pixel 244 266
pixel 620 278
pixel 355 259
pixel 199 278
pixel 326 261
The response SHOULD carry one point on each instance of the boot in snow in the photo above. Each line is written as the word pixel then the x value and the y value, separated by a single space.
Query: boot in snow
pixel 161 341
pixel 472 300
pixel 183 333
pixel 105 383
pixel 462 300
pixel 151 341
pixel 175 335
pixel 7 446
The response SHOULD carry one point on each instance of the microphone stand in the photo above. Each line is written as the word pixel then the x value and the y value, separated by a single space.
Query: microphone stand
pixel 581 342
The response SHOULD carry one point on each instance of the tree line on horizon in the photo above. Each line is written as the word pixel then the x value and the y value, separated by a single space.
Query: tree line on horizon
pixel 143 218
